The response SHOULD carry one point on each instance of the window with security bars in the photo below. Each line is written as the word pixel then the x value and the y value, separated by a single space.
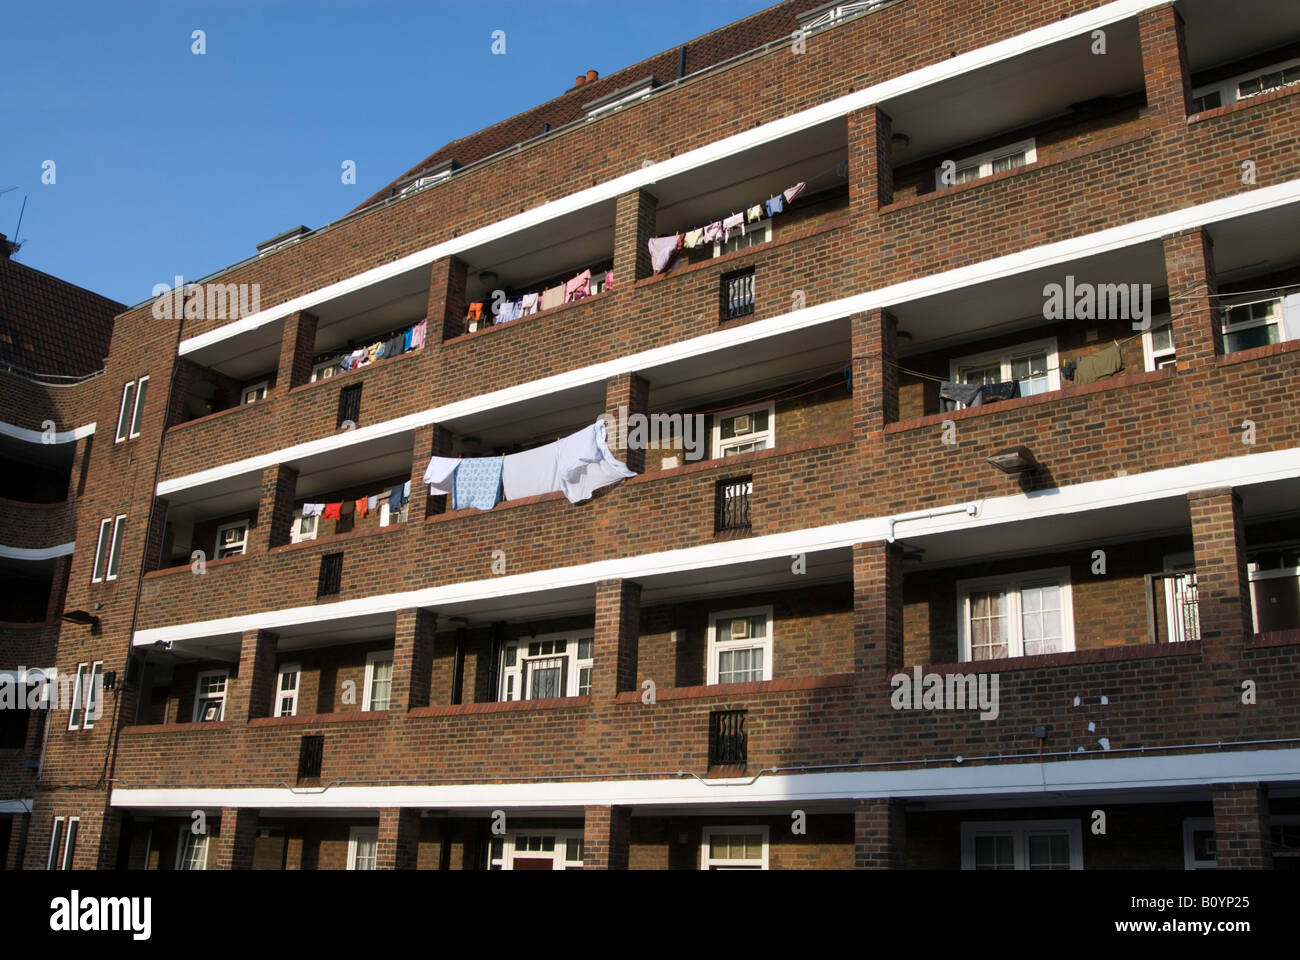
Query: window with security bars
pixel 737 294
pixel 311 752
pixel 728 742
pixel 350 404
pixel 331 575
pixel 731 504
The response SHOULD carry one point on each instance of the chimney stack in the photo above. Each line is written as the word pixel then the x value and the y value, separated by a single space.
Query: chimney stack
pixel 592 76
pixel 5 249
pixel 579 80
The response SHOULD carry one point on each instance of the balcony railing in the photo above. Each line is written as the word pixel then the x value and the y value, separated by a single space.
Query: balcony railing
pixel 728 742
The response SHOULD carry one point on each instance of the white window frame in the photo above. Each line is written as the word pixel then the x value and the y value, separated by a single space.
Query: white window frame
pixel 109 549
pixel 71 828
pixel 765 225
pixel 1005 356
pixel 1165 357
pixel 356 834
pixel 304 530
pixel 141 391
pixel 1230 90
pixel 102 547
pixel 244 398
pixel 984 161
pixel 198 693
pixel 1277 316
pixel 125 409
pixel 377 656
pixel 56 841
pixel 1021 830
pixel 324 370
pixel 85 695
pixel 720 446
pixel 708 861
pixel 1012 584
pixel 510 680
pixel 191 840
pixel 1191 826
pixel 243 549
pixel 717 647
pixel 74 715
pixel 505 860
pixel 281 695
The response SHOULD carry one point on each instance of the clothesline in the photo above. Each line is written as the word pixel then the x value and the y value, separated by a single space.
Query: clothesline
pixel 576 465
pixel 663 250
pixel 389 345
pixel 398 495
pixel 525 305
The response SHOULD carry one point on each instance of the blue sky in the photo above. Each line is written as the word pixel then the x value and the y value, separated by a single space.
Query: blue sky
pixel 170 163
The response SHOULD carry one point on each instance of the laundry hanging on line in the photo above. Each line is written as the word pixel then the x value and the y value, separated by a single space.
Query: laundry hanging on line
pixel 662 249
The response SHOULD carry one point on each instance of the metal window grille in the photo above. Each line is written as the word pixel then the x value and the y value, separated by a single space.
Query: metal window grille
pixel 737 293
pixel 728 742
pixel 331 575
pixel 1173 607
pixel 731 504
pixel 311 752
pixel 350 404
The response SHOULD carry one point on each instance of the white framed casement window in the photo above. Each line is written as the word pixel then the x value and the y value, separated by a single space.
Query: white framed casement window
pixel 1020 615
pixel 734 848
pixel 990 162
pixel 71 829
pixel 386 515
pixel 1034 364
pixel 1255 324
pixel 108 551
pixel 304 528
pixel 363 848
pixel 553 665
pixel 756 233
pixel 56 838
pixel 1158 345
pixel 1246 85
pixel 142 388
pixel 192 850
pixel 254 393
pixel 544 848
pixel 1022 845
pixel 323 371
pixel 101 550
pixel 740 645
pixel 1198 844
pixel 74 715
pixel 210 695
pixel 287 681
pixel 232 539
pixel 379 680
pixel 85 696
pixel 744 430
pixel 130 413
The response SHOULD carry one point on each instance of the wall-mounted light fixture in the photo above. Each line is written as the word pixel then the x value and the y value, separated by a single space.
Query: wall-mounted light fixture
pixel 1014 460
pixel 83 618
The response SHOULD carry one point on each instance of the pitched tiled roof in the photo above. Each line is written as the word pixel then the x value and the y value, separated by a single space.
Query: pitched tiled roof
pixel 702 52
pixel 50 327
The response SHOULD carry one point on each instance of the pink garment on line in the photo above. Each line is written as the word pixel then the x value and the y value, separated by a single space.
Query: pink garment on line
pixel 528 305
pixel 578 287
pixel 794 191
pixel 733 222
pixel 418 332
pixel 663 251
pixel 713 231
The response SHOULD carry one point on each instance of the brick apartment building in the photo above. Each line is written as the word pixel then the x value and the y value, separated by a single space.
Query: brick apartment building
pixel 910 464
